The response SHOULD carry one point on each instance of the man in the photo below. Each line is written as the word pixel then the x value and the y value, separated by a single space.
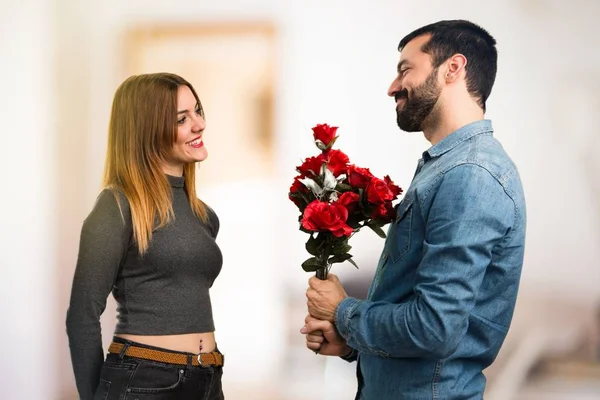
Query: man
pixel 443 296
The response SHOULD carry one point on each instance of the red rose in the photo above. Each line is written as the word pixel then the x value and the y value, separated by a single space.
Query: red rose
pixel 297 187
pixel 385 212
pixel 337 161
pixel 349 200
pixel 396 190
pixel 325 134
pixel 322 216
pixel 311 166
pixel 378 192
pixel 359 177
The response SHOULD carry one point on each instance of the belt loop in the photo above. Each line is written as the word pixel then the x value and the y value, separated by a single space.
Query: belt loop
pixel 124 349
pixel 188 369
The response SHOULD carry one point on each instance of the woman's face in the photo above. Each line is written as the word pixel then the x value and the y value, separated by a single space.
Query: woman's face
pixel 189 146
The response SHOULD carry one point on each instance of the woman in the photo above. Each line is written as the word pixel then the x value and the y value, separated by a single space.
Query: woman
pixel 150 241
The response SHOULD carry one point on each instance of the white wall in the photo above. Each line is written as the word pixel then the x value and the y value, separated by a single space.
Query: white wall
pixel 336 61
pixel 27 243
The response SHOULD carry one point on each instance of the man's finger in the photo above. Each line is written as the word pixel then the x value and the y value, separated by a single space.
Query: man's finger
pixel 315 337
pixel 313 346
pixel 309 325
pixel 308 318
pixel 313 311
pixel 315 282
pixel 317 325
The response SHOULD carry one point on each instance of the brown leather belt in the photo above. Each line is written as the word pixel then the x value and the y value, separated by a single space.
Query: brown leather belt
pixel 203 359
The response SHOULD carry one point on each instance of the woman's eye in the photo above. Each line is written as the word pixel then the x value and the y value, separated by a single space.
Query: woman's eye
pixel 181 121
pixel 199 111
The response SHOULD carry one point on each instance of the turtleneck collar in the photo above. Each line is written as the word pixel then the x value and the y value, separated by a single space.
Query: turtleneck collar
pixel 176 181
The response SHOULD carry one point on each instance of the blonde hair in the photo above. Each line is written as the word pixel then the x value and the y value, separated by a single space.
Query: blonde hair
pixel 141 134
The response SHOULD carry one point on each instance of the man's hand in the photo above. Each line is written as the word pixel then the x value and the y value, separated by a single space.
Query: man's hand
pixel 322 337
pixel 324 297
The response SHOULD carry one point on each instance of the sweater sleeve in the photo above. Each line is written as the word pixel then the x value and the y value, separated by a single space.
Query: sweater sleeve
pixel 214 222
pixel 105 238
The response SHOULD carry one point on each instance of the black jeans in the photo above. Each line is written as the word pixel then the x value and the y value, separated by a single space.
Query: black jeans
pixel 129 378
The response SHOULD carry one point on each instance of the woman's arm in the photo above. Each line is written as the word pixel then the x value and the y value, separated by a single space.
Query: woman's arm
pixel 105 238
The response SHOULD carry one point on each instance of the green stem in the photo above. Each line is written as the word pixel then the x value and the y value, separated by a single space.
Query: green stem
pixel 322 273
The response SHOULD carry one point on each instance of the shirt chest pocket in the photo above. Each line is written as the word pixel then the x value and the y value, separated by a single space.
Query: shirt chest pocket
pixel 402 230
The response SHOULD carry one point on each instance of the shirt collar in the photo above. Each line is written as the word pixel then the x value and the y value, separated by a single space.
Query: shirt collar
pixel 457 137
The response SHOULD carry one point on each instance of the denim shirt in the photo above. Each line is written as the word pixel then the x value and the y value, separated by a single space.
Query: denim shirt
pixel 441 301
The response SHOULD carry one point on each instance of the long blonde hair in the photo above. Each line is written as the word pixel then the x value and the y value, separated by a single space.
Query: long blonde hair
pixel 141 134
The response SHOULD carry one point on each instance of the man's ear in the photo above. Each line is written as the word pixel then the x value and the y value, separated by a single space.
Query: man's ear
pixel 455 67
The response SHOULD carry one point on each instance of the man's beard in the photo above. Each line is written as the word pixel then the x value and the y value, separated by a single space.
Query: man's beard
pixel 419 106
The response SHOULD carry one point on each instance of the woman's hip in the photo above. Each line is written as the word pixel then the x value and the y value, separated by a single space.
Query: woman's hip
pixel 136 371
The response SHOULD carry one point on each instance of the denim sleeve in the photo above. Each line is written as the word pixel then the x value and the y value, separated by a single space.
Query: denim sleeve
pixel 105 237
pixel 467 217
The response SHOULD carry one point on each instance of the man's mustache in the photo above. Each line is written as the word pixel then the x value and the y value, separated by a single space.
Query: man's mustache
pixel 401 94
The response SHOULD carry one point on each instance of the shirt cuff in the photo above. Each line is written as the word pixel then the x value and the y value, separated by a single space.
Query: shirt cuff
pixel 343 313
pixel 352 356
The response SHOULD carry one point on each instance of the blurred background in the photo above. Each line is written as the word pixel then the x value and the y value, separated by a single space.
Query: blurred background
pixel 266 72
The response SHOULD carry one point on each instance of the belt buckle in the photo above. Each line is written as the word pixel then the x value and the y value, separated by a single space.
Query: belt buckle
pixel 199 358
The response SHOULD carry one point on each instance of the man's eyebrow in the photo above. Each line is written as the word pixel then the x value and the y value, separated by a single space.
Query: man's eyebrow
pixel 401 64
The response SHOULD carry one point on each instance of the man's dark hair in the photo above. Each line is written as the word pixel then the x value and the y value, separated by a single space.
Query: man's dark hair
pixel 472 41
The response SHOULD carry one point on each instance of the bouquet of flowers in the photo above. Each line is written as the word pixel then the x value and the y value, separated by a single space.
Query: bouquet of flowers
pixel 336 199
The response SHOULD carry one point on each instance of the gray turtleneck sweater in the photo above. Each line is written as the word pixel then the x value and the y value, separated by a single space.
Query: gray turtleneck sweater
pixel 163 292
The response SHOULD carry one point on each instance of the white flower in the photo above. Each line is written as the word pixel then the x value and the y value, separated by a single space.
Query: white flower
pixel 313 186
pixel 329 181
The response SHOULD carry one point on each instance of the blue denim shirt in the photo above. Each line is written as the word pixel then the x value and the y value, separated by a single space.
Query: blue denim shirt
pixel 443 296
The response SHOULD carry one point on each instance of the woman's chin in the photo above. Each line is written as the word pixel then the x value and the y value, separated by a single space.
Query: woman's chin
pixel 200 155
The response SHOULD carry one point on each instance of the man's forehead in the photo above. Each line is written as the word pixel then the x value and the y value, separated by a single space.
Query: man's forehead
pixel 412 51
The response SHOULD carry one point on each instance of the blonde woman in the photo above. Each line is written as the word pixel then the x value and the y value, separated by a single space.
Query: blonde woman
pixel 150 241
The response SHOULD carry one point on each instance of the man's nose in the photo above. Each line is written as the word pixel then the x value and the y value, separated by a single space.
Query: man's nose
pixel 395 87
